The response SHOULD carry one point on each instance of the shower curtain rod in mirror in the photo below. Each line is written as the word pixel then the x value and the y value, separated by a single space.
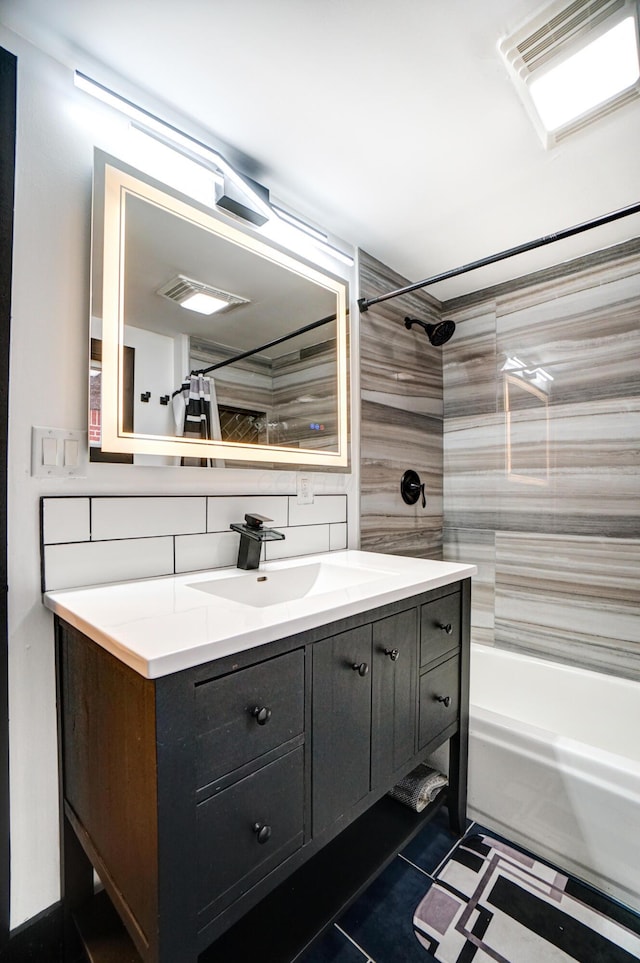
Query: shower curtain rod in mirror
pixel 261 347
pixel 365 303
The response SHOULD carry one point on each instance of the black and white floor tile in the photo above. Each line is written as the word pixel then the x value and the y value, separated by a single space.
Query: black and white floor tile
pixel 518 909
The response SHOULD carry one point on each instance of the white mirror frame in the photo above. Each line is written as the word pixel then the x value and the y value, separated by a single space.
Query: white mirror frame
pixel 117 185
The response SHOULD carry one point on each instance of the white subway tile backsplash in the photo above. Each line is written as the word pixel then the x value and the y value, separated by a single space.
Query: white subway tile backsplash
pixel 90 563
pixel 337 537
pixel 92 539
pixel 324 509
pixel 224 509
pixel 143 517
pixel 305 540
pixel 213 550
pixel 65 520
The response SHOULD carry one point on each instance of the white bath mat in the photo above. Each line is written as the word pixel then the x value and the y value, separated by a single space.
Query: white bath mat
pixel 492 902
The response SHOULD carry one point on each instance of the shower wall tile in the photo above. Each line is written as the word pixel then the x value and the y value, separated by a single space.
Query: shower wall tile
pixel 392 441
pixel 401 419
pixel 588 342
pixel 570 598
pixel 553 469
pixel 476 547
pixel 582 274
pixel 473 466
pixel 402 537
pixel 573 469
pixel 469 371
pixel 399 366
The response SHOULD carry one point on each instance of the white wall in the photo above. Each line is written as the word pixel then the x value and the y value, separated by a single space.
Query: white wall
pixel 57 130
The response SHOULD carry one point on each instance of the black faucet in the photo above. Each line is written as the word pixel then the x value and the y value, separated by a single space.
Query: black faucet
pixel 252 535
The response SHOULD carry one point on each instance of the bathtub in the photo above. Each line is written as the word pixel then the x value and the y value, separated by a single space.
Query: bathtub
pixel 554 764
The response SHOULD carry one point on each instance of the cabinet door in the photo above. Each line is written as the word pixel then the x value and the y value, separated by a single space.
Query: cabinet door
pixel 341 724
pixel 394 697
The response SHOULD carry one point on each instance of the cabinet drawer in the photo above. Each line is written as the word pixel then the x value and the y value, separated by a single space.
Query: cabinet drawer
pixel 438 699
pixel 231 848
pixel 229 732
pixel 439 627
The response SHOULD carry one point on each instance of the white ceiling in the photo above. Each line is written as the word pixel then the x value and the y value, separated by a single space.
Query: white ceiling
pixel 392 124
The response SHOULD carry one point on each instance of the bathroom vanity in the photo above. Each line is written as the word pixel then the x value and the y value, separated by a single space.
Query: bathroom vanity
pixel 225 764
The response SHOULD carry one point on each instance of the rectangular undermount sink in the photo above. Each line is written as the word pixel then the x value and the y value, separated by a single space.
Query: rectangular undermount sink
pixel 261 588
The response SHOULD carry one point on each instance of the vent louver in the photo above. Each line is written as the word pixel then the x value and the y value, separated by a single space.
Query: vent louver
pixel 555 32
pixel 180 288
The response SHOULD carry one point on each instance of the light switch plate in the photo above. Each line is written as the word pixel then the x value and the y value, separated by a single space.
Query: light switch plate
pixel 304 490
pixel 58 453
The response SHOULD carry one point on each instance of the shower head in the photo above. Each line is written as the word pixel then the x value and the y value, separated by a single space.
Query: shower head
pixel 437 333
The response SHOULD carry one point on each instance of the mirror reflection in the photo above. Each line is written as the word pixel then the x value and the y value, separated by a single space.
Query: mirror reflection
pixel 208 343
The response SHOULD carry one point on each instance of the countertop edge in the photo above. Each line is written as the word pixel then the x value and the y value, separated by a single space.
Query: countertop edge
pixel 211 651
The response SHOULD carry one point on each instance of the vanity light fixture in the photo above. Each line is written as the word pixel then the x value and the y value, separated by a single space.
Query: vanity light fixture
pixel 172 134
pixel 575 63
pixel 169 135
pixel 197 296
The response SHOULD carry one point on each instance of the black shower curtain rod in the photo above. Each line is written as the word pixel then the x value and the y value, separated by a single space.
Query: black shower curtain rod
pixel 365 303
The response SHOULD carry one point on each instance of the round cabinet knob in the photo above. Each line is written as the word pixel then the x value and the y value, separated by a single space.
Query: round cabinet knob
pixel 261 714
pixel 263 833
pixel 446 628
pixel 362 668
pixel 392 653
pixel 446 700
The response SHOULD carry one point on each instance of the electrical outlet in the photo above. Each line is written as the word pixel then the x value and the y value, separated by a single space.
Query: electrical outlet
pixel 304 489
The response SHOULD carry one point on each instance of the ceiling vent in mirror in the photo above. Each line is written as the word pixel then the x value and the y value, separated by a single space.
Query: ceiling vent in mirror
pixel 575 63
pixel 197 296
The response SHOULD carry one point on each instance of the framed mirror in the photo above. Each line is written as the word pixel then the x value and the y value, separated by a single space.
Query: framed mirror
pixel 238 348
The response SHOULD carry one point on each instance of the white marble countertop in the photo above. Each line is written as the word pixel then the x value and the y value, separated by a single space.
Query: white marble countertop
pixel 162 625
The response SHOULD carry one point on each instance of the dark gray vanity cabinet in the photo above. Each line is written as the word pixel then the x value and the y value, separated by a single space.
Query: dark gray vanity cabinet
pixel 364 711
pixel 248 795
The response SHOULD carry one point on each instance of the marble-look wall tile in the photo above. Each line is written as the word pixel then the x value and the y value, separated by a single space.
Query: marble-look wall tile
pixel 582 274
pixel 476 547
pixel 398 366
pixel 588 342
pixel 570 598
pixel 553 469
pixel 401 419
pixel 469 372
pixel 473 466
pixel 392 441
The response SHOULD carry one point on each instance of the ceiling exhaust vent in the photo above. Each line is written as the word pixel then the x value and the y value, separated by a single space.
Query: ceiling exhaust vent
pixel 550 39
pixel 198 296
